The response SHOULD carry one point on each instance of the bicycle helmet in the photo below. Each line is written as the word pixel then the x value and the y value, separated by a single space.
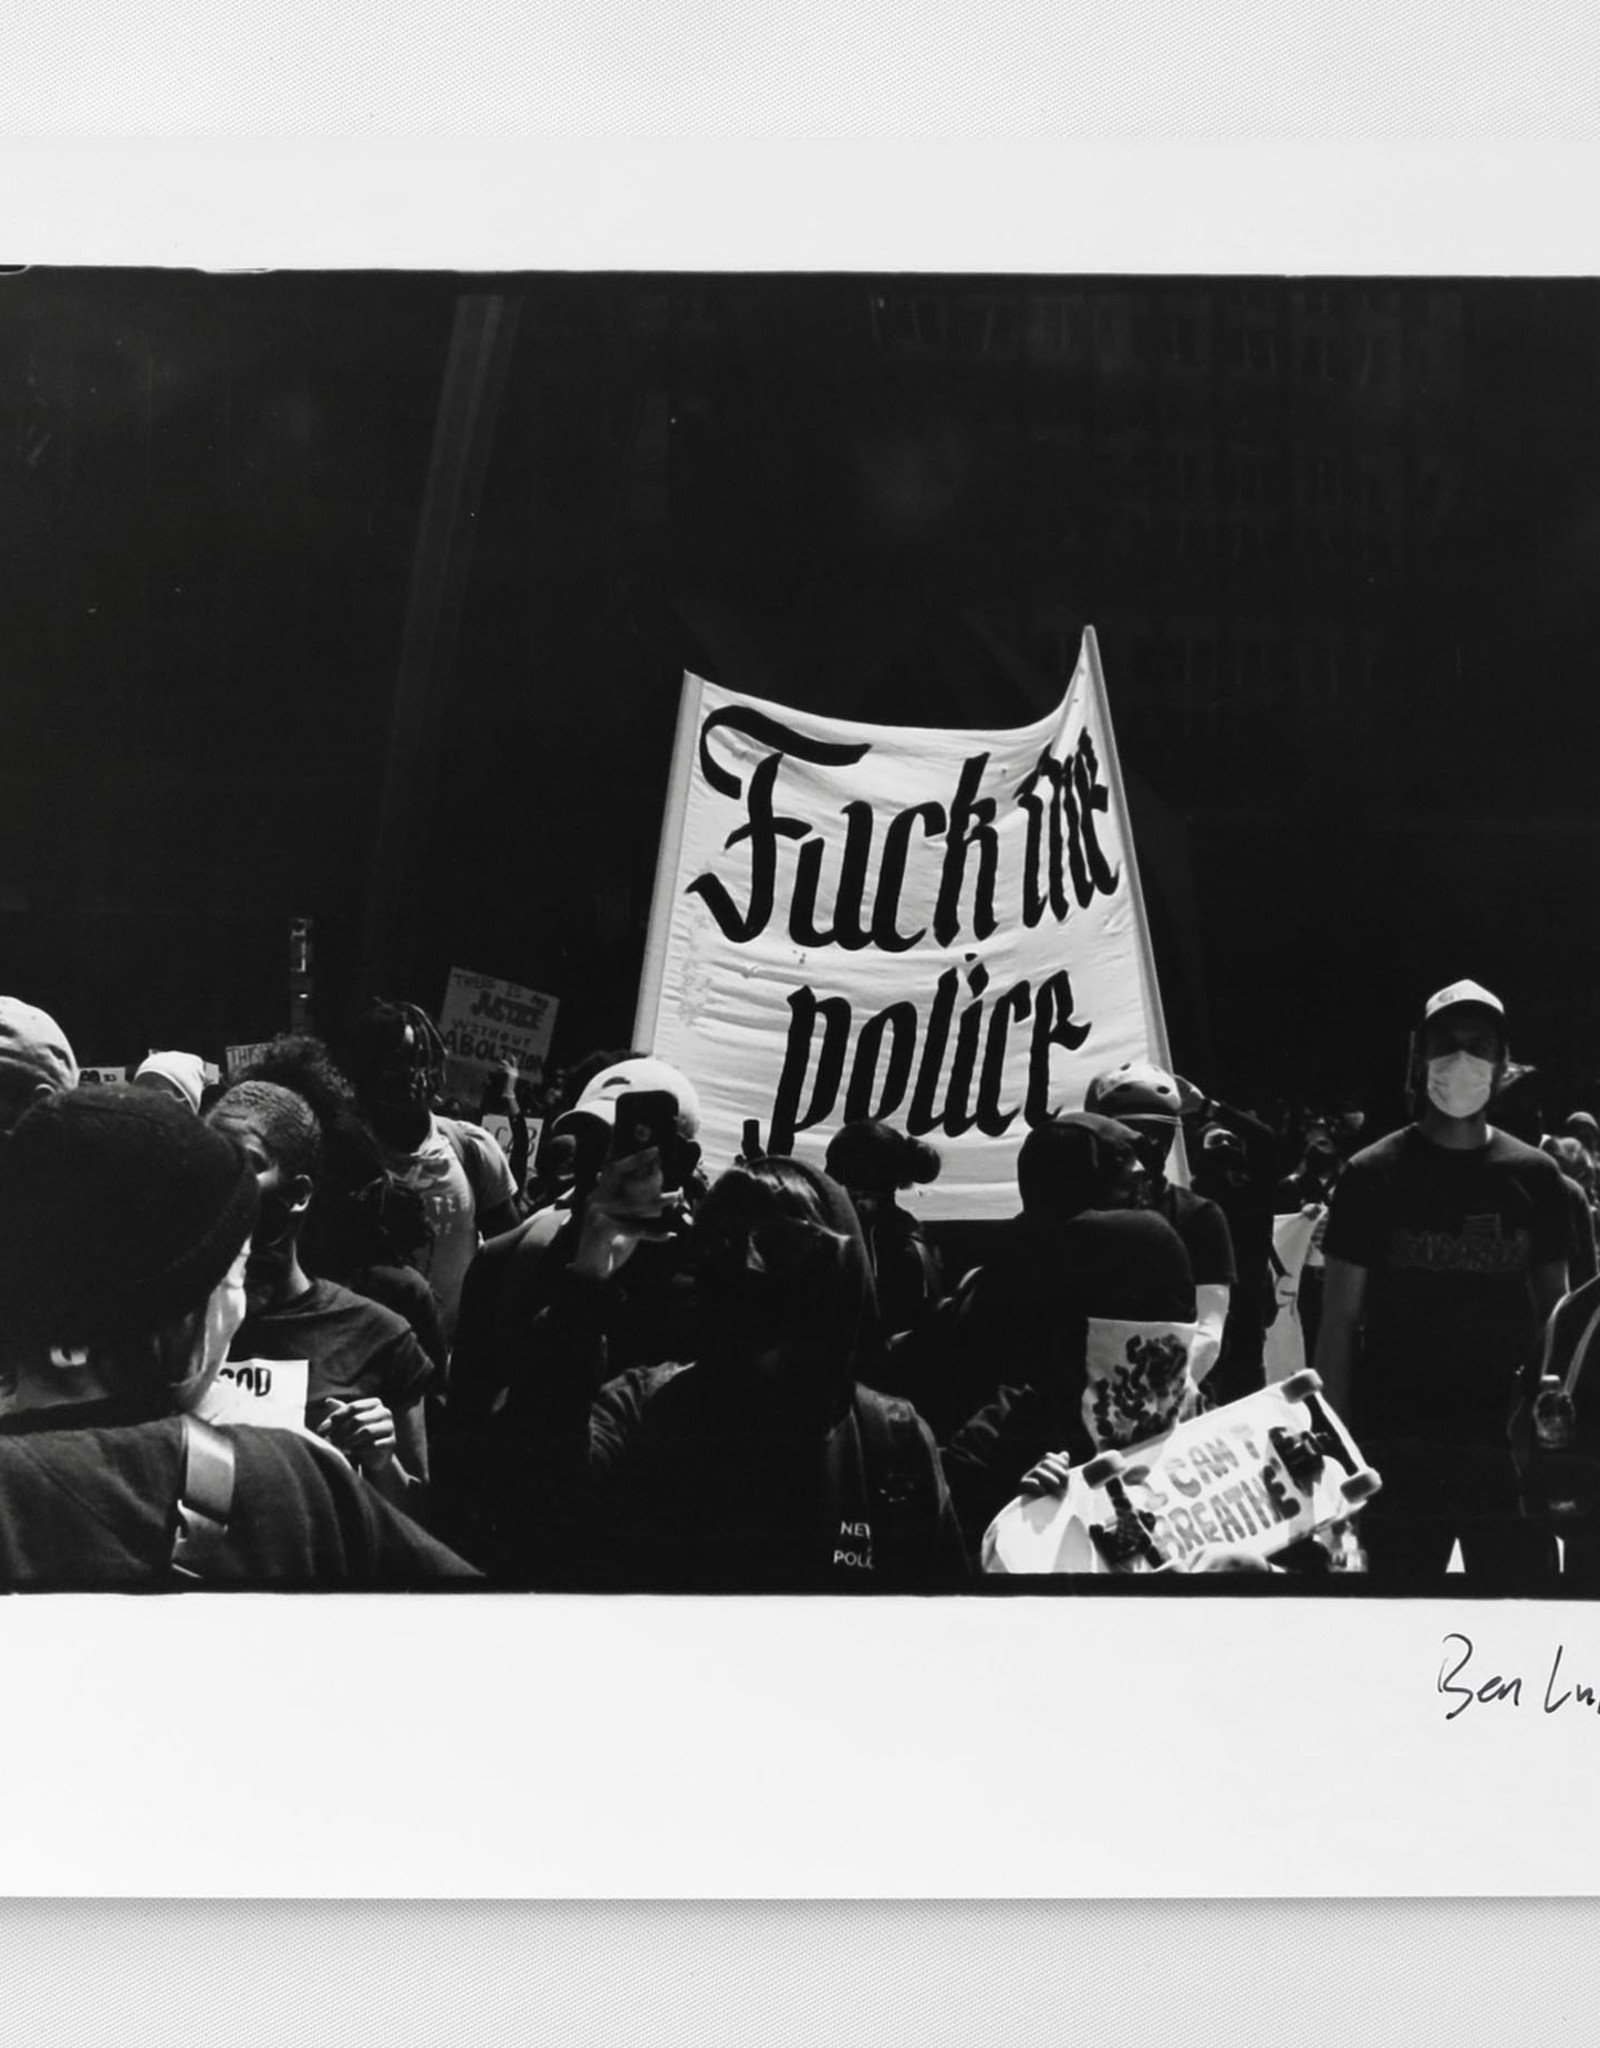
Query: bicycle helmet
pixel 1136 1092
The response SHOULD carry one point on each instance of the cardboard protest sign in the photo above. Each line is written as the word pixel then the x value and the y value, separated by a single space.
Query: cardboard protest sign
pixel 485 1021
pixel 1285 1350
pixel 239 1058
pixel 102 1077
pixel 271 1393
pixel 941 928
pixel 1139 1378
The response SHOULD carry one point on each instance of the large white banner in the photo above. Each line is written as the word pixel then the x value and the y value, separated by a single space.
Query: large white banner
pixel 940 928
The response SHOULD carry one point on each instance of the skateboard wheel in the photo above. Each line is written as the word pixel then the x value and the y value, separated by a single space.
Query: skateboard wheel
pixel 1360 1486
pixel 1299 1386
pixel 1098 1470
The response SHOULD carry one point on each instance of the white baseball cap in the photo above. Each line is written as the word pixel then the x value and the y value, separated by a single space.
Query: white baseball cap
pixel 1458 995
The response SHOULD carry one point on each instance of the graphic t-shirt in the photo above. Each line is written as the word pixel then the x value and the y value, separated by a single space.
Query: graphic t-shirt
pixel 453 1201
pixel 1449 1241
pixel 354 1346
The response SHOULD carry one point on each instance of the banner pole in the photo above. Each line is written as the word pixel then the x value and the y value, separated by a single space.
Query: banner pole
pixel 647 1012
pixel 1160 1052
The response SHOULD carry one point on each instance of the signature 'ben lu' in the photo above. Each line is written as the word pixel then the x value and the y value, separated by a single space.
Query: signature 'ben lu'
pixel 1501 1690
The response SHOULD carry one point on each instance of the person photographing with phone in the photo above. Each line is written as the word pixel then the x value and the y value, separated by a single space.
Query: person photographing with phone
pixel 759 1464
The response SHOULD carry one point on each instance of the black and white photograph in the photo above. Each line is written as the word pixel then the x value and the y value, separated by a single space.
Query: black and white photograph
pixel 794 933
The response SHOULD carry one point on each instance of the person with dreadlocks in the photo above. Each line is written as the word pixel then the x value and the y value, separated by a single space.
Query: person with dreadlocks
pixel 397 1066
pixel 367 1373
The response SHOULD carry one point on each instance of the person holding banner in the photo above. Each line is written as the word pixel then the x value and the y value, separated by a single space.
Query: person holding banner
pixel 1446 1253
pixel 125 1226
pixel 760 1466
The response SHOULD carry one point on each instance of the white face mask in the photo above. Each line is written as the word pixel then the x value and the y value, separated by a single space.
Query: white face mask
pixel 1460 1084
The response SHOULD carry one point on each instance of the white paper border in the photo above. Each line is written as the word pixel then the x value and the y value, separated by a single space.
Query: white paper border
pixel 527 1747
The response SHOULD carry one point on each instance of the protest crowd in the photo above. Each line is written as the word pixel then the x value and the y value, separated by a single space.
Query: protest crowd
pixel 567 1354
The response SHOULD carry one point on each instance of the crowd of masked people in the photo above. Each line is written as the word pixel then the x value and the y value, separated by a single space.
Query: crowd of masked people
pixel 588 1363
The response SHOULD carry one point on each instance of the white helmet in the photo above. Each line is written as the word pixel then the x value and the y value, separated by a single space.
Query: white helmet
pixel 1139 1091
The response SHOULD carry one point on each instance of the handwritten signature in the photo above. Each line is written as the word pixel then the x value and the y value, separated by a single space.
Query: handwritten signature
pixel 1501 1689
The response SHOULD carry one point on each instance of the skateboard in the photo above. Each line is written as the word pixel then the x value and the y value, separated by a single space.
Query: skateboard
pixel 1250 1479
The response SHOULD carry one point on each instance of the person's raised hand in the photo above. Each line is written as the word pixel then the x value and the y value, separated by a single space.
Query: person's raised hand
pixel 626 1205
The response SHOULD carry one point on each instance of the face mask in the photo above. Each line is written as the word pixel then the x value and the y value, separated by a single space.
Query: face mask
pixel 1459 1084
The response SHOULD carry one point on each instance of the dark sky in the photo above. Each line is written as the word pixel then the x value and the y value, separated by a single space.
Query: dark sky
pixel 1340 541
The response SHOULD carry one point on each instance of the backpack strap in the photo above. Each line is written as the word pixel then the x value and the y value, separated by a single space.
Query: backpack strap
pixel 470 1159
pixel 895 1473
pixel 205 1498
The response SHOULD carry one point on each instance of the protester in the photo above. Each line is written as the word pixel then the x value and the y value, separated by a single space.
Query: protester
pixel 1223 1174
pixel 367 1373
pixel 1151 1102
pixel 182 1075
pixel 125 1225
pixel 1446 1253
pixel 760 1466
pixel 1582 1126
pixel 366 1226
pixel 1517 1110
pixel 1084 1248
pixel 36 1061
pixel 872 1162
pixel 507 1286
pixel 397 1066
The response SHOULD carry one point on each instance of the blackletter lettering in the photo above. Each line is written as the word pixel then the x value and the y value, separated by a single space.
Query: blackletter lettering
pixel 971 825
pixel 923 1116
pixel 1052 1025
pixel 892 874
pixel 900 1019
pixel 804 1010
pixel 1092 797
pixel 957 1115
pixel 763 830
pixel 992 1120
pixel 1043 884
pixel 847 931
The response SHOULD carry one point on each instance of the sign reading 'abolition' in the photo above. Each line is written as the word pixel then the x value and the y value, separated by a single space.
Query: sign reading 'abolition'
pixel 941 928
pixel 488 1023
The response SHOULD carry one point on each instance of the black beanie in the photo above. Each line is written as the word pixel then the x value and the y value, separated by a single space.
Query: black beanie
pixel 119 1213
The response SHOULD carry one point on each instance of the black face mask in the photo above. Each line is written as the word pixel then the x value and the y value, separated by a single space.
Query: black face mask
pixel 274 1223
pixel 761 1285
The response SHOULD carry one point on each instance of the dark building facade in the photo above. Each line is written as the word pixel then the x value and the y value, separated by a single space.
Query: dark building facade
pixel 1336 537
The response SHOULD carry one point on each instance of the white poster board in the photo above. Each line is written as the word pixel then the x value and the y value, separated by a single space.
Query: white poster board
pixel 941 928
pixel 240 1058
pixel 485 1022
pixel 1284 1351
pixel 270 1393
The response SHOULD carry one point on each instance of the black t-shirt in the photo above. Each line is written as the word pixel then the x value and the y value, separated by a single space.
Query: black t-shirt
pixel 354 1346
pixel 1205 1233
pixel 1449 1242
